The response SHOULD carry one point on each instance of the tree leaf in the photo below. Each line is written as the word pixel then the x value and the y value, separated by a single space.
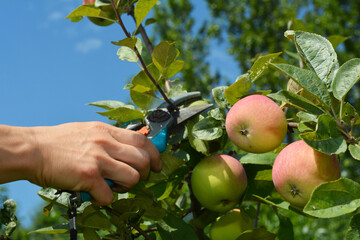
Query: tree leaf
pixel 122 114
pixel 326 138
pixel 318 53
pixel 285 231
pixel 346 77
pixel 333 199
pixel 353 232
pixel 170 164
pixel 57 229
pixel 127 42
pixel 308 80
pixel 110 104
pixel 261 158
pixel 171 227
pixel 174 68
pixel 208 129
pixel 164 54
pixel 354 150
pixel 89 11
pixel 142 8
pixel 336 40
pixel 219 96
pixel 93 218
pixel 258 233
pixel 238 89
pixel 296 101
pixel 127 53
pixel 350 115
pixel 90 234
pixel 261 65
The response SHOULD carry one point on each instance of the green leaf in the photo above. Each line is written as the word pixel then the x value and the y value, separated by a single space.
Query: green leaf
pixel 90 234
pixel 350 115
pixel 353 232
pixel 318 53
pixel 164 54
pixel 336 40
pixel 171 227
pixel 354 150
pixel 57 229
pixel 127 42
pixel 308 80
pixel 326 138
pixel 258 233
pixel 198 144
pixel 208 129
pixel 333 199
pixel 110 104
pixel 217 113
pixel 174 68
pixel 142 8
pixel 261 65
pixel 170 164
pixel 122 114
pixel 346 77
pixel 261 158
pixel 296 101
pixel 238 89
pixel 89 11
pixel 219 97
pixel 285 231
pixel 93 218
pixel 127 53
pixel 10 228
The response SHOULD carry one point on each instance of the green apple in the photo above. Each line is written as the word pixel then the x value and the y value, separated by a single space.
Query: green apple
pixel 298 169
pixel 256 124
pixel 218 182
pixel 230 226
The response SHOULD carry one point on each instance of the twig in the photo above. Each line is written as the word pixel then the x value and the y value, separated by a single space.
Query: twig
pixel 257 214
pixel 141 59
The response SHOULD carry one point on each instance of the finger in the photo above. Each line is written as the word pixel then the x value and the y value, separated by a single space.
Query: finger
pixel 137 158
pixel 138 140
pixel 121 173
pixel 101 193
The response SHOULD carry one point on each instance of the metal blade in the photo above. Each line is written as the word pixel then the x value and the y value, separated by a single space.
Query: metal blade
pixel 186 113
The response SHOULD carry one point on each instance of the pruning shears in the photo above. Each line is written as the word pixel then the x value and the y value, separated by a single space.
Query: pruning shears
pixel 160 123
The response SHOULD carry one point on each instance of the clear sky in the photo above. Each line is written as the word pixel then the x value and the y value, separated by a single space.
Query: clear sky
pixel 50 68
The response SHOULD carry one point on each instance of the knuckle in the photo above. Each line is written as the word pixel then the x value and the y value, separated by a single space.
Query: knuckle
pixel 144 159
pixel 140 140
pixel 133 178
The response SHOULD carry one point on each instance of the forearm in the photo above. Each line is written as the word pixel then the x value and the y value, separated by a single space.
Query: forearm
pixel 17 152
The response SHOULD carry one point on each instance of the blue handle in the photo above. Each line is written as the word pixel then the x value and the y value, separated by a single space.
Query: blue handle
pixel 160 141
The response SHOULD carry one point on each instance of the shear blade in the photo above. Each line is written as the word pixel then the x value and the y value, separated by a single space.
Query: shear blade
pixel 189 112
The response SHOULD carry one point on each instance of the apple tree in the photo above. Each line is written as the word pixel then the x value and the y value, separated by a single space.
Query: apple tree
pixel 173 204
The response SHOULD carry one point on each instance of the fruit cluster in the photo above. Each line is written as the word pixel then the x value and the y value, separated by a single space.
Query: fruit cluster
pixel 256 124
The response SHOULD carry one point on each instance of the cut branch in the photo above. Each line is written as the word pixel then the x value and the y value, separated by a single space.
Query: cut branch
pixel 119 21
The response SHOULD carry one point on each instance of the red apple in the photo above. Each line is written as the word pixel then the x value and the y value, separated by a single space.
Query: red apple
pixel 218 182
pixel 298 169
pixel 256 124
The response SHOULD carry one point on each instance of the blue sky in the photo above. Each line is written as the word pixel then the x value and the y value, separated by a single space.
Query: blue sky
pixel 50 68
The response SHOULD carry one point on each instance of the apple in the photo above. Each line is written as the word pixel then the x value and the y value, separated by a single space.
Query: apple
pixel 256 124
pixel 298 169
pixel 218 182
pixel 230 226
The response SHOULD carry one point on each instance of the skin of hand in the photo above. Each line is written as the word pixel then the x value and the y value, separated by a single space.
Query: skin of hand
pixel 77 157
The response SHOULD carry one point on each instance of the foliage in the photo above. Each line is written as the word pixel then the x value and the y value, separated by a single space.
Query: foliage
pixel 163 206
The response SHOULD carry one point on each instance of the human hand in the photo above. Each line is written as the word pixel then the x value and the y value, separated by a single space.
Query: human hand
pixel 79 156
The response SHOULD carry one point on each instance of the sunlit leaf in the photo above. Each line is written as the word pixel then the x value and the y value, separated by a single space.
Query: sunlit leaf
pixel 164 54
pixel 142 8
pixel 354 150
pixel 261 65
pixel 336 40
pixel 238 89
pixel 208 129
pixel 308 80
pixel 110 104
pixel 90 11
pixel 170 164
pixel 57 229
pixel 219 96
pixel 346 77
pixel 262 158
pixel 317 52
pixel 122 114
pixel 334 199
pixel 296 101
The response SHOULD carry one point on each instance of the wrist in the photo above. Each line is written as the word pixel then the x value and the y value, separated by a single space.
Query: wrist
pixel 17 154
